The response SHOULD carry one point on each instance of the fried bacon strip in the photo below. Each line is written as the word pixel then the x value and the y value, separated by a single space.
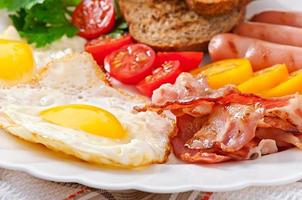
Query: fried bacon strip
pixel 280 136
pixel 187 125
pixel 221 125
pixel 230 127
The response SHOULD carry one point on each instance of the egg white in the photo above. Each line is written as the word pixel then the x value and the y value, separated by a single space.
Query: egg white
pixel 76 79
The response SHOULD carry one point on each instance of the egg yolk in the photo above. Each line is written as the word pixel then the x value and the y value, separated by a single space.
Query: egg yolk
pixel 16 61
pixel 86 118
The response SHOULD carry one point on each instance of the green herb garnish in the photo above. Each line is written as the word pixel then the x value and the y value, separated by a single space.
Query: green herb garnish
pixel 41 21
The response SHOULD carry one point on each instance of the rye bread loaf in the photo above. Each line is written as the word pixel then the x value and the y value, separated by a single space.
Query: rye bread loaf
pixel 171 26
pixel 215 7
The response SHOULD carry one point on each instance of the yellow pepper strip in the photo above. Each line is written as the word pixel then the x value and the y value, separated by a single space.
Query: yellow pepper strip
pixel 231 71
pixel 292 85
pixel 265 79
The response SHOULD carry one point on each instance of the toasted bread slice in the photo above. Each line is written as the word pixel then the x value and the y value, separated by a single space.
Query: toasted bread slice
pixel 215 7
pixel 171 26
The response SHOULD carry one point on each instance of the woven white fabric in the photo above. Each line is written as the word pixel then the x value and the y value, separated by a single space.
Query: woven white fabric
pixel 20 186
pixel 287 192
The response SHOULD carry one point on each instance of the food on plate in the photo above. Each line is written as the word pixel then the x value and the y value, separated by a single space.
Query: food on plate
pixel 41 56
pixel 221 125
pixel 171 26
pixel 265 79
pixel 16 62
pixel 216 7
pixel 103 46
pixel 279 34
pixel 290 86
pixel 166 73
pixel 272 38
pixel 189 60
pixel 260 53
pixel 205 115
pixel 137 64
pixel 269 82
pixel 41 22
pixel 20 58
pixel 179 27
pixel 221 73
pixel 69 107
pixel 176 26
pixel 89 119
pixel 288 18
pixel 131 63
pixel 94 18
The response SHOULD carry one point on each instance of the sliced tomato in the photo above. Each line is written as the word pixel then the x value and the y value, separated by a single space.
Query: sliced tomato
pixel 94 18
pixel 188 60
pixel 100 48
pixel 131 63
pixel 167 73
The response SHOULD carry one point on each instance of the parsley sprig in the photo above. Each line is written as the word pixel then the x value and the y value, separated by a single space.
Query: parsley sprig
pixel 41 21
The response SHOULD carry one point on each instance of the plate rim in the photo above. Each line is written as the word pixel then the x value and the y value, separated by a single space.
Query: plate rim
pixel 36 172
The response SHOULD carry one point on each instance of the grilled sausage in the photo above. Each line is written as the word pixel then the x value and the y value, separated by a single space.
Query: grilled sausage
pixel 261 54
pixel 270 32
pixel 280 17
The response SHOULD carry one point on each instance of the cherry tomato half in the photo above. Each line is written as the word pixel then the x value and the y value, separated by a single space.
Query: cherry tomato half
pixel 167 73
pixel 188 60
pixel 100 48
pixel 94 18
pixel 131 63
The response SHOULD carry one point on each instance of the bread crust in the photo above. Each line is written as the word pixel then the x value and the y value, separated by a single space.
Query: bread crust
pixel 215 7
pixel 171 26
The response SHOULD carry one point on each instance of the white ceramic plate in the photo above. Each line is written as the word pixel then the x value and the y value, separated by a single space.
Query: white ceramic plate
pixel 174 176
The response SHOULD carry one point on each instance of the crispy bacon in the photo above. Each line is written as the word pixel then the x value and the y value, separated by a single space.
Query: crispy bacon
pixel 265 146
pixel 244 152
pixel 290 112
pixel 189 90
pixel 197 156
pixel 277 122
pixel 185 88
pixel 230 127
pixel 230 95
pixel 280 136
pixel 221 125
pixel 187 126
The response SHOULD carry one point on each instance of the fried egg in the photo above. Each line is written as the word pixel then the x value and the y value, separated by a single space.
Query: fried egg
pixel 19 60
pixel 69 107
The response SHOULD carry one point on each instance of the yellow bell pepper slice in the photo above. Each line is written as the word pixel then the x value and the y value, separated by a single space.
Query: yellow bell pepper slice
pixel 231 71
pixel 292 85
pixel 265 79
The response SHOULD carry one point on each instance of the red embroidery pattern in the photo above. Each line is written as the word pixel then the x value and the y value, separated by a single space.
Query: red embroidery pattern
pixel 206 196
pixel 76 194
